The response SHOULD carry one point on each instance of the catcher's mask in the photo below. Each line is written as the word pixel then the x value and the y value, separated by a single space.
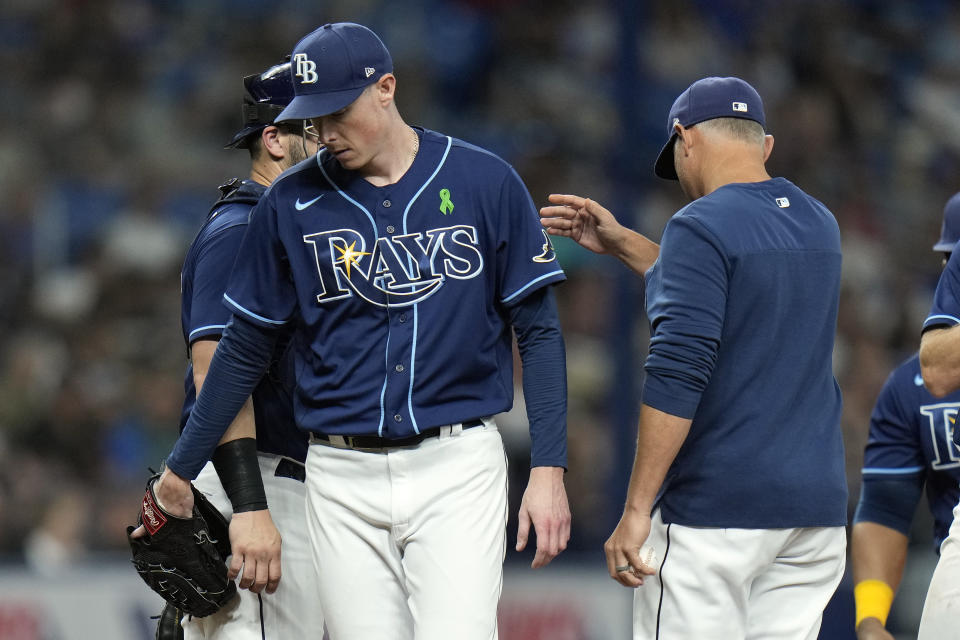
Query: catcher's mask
pixel 265 96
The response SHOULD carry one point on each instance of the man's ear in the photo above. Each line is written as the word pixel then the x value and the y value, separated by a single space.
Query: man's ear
pixel 385 87
pixel 685 137
pixel 767 147
pixel 270 137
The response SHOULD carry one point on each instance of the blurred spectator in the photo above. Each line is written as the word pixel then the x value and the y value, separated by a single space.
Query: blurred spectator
pixel 58 540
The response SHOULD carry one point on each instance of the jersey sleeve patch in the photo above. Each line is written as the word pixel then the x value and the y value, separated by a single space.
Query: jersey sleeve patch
pixel 547 253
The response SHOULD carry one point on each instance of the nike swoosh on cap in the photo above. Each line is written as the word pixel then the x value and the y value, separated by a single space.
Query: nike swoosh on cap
pixel 303 205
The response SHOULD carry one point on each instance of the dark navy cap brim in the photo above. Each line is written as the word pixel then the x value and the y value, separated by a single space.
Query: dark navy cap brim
pixel 306 106
pixel 664 167
pixel 240 138
pixel 945 246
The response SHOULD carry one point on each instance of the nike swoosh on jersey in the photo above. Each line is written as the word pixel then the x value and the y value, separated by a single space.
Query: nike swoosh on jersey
pixel 303 205
pixel 918 380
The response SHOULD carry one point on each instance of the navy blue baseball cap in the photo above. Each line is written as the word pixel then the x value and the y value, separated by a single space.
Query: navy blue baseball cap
pixel 950 230
pixel 707 99
pixel 331 68
pixel 265 96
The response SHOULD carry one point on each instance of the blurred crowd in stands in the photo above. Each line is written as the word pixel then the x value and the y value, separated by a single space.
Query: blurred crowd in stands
pixel 113 114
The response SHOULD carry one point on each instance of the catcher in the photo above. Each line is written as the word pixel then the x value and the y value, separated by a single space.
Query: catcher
pixel 261 455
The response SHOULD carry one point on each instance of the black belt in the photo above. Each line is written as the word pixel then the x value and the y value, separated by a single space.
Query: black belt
pixel 288 468
pixel 376 442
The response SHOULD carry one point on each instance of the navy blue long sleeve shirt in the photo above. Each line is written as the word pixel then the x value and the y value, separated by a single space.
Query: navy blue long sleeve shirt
pixel 743 304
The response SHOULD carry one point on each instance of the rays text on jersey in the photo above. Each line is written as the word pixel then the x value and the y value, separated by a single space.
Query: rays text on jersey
pixel 398 271
pixel 941 420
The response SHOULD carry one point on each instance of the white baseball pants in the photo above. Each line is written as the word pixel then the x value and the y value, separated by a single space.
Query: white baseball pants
pixel 409 541
pixel 293 610
pixel 941 610
pixel 750 584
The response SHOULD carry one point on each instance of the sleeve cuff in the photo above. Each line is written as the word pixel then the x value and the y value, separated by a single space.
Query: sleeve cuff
pixel 549 462
pixel 940 320
pixel 671 401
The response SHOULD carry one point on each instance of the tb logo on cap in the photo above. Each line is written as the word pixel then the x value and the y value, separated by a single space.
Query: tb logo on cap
pixel 306 68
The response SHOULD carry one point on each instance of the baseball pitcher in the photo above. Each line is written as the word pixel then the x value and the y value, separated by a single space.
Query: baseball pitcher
pixel 401 261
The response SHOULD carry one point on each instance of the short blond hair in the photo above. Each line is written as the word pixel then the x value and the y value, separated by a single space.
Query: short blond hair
pixel 741 129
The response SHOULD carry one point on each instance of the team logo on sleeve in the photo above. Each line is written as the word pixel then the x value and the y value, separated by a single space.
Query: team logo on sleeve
pixel 398 271
pixel 547 254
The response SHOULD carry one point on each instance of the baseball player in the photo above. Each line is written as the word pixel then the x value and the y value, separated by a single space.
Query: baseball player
pixel 400 259
pixel 939 355
pixel 909 447
pixel 265 424
pixel 738 485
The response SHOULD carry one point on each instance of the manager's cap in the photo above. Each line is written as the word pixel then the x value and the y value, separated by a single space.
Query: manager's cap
pixel 331 68
pixel 950 230
pixel 707 99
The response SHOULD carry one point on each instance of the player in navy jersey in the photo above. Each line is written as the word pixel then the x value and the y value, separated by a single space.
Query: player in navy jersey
pixel 265 424
pixel 401 261
pixel 909 448
pixel 939 357
pixel 738 485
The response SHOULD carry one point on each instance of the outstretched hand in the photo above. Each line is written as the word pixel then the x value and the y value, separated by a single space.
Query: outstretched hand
pixel 583 220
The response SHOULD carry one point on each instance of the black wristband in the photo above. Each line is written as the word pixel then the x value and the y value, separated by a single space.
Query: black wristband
pixel 239 470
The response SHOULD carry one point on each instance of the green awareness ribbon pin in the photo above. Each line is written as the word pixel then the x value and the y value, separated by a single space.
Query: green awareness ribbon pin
pixel 446 205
